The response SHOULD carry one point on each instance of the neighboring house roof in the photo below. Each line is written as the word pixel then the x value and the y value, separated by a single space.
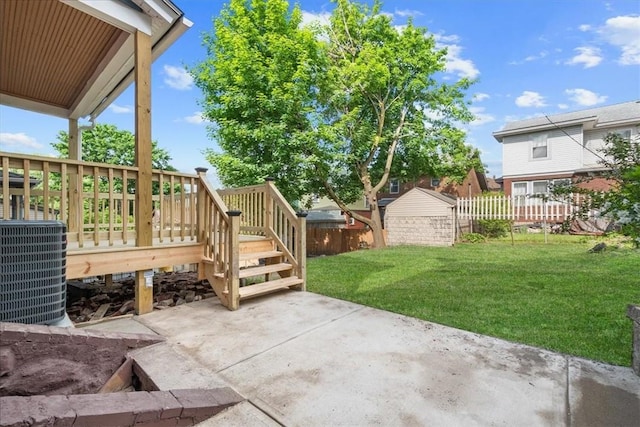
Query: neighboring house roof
pixel 493 184
pixel 610 115
pixel 16 180
pixel 71 58
pixel 326 216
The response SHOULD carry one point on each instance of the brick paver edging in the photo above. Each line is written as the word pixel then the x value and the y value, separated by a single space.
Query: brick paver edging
pixel 156 408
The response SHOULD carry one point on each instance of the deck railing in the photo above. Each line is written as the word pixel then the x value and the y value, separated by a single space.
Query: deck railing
pixel 95 200
pixel 266 212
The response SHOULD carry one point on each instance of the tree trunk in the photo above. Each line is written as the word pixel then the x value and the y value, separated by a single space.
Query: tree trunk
pixel 376 227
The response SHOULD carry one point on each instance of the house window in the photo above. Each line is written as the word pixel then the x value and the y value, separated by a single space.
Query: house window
pixel 625 134
pixel 394 186
pixel 540 192
pixel 519 192
pixel 435 182
pixel 561 184
pixel 539 148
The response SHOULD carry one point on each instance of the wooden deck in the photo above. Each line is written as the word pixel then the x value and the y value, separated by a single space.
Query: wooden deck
pixel 224 232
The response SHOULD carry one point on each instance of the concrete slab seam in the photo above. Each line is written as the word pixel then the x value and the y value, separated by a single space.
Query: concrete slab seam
pixel 567 394
pixel 291 338
pixel 267 410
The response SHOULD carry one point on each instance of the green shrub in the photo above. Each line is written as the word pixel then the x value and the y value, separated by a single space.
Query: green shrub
pixel 473 238
pixel 494 228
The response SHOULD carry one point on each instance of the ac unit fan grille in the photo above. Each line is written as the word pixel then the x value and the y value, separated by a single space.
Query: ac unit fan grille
pixel 32 271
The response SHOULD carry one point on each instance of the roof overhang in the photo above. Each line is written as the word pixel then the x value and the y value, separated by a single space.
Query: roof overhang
pixel 72 58
pixel 586 122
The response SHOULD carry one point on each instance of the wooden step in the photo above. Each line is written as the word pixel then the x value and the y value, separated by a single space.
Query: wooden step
pixel 259 271
pixel 259 255
pixel 268 287
pixel 255 244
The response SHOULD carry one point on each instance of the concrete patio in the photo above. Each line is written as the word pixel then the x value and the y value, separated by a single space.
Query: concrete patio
pixel 302 359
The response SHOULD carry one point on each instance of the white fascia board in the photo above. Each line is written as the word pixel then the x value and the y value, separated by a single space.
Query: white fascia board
pixel 29 105
pixel 499 135
pixel 628 122
pixel 163 44
pixel 114 13
pixel 157 9
pixel 170 38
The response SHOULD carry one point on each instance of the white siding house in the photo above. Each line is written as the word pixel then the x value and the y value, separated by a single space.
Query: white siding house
pixel 421 217
pixel 544 150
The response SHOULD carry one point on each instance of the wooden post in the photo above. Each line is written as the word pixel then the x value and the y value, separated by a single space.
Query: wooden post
pixel 144 291
pixel 143 199
pixel 268 205
pixel 200 203
pixel 301 249
pixel 201 222
pixel 234 260
pixel 75 185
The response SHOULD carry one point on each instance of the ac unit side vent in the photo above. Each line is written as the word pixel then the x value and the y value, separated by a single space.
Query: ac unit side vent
pixel 33 285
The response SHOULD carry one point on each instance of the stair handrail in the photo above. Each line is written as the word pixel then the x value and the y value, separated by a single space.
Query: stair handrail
pixel 265 211
pixel 293 244
pixel 218 230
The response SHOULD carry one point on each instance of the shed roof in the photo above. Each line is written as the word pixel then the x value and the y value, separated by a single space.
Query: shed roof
pixel 71 58
pixel 610 115
pixel 439 196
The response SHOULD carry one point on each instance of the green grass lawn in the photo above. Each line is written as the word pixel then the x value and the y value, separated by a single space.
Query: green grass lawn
pixel 555 295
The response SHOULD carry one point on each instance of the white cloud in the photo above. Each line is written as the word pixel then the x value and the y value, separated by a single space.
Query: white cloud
pixel 120 109
pixel 563 106
pixel 196 118
pixel 584 97
pixel 443 39
pixel 321 18
pixel 19 140
pixel 481 117
pixel 481 96
pixel 177 78
pixel 405 13
pixel 530 99
pixel 587 55
pixel 531 58
pixel 456 64
pixel 624 33
pixel 540 55
pixel 584 27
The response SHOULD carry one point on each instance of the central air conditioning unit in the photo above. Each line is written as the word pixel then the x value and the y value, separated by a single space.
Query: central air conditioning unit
pixel 33 257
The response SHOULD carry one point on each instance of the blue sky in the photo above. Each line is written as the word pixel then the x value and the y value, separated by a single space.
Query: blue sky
pixel 529 58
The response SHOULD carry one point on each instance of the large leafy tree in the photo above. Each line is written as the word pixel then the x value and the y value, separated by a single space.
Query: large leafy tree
pixel 335 114
pixel 386 113
pixel 258 83
pixel 106 143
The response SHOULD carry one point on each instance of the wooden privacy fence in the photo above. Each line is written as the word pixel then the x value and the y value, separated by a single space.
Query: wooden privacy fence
pixel 520 208
pixel 332 241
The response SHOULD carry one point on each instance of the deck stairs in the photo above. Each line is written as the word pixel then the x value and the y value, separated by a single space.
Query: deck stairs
pixel 263 270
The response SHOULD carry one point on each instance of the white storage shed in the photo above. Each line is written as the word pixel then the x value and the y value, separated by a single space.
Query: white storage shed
pixel 421 217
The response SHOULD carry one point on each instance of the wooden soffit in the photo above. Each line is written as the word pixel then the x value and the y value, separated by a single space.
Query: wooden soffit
pixel 71 58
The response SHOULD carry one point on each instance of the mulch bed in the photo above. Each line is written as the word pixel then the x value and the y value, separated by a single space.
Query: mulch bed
pixel 95 300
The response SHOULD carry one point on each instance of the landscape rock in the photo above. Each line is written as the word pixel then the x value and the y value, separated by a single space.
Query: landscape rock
pixel 169 289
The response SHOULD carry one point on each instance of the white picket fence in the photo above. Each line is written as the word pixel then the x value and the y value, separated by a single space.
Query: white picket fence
pixel 519 209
